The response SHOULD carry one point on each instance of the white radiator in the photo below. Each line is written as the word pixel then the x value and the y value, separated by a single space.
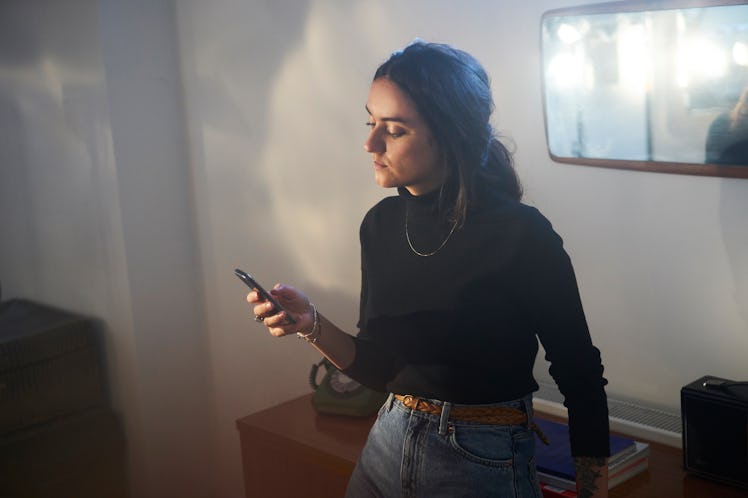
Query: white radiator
pixel 631 419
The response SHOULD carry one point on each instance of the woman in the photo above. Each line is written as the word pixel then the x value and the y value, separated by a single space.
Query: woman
pixel 727 137
pixel 459 279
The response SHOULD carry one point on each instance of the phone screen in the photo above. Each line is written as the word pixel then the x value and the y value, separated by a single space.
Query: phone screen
pixel 252 284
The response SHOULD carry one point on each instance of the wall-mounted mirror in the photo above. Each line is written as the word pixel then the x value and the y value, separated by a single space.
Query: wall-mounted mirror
pixel 648 85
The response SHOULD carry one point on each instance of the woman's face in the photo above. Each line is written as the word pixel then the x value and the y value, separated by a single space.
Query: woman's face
pixel 400 143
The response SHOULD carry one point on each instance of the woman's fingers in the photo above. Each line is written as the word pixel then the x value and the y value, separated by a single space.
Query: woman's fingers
pixel 264 309
pixel 273 328
pixel 253 297
pixel 277 323
pixel 291 298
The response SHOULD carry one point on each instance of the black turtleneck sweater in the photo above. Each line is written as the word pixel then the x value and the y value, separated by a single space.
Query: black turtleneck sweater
pixel 462 325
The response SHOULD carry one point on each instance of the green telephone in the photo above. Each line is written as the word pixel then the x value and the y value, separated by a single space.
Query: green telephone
pixel 338 394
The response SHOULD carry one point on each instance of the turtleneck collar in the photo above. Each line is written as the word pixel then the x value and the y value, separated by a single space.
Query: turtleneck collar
pixel 485 196
pixel 428 197
pixel 420 205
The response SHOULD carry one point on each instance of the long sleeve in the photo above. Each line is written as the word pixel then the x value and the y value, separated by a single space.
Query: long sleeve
pixel 561 325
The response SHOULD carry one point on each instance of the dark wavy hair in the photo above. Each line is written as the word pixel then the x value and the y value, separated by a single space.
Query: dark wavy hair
pixel 452 92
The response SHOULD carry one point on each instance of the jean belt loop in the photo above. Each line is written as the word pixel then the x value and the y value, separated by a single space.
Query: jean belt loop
pixel 444 418
pixel 527 402
pixel 389 401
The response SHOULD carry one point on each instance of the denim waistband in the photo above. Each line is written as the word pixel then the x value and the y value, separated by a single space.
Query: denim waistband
pixel 523 404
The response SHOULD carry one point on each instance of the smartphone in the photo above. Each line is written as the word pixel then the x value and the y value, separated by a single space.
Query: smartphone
pixel 252 284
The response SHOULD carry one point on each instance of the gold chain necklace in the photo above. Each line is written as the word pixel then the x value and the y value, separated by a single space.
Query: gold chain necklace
pixel 426 254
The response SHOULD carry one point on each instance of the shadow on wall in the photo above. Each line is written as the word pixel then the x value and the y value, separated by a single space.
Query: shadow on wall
pixel 273 116
pixel 18 246
pixel 231 59
pixel 52 134
pixel 18 50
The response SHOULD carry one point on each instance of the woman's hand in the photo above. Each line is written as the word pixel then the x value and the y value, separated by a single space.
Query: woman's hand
pixel 328 339
pixel 296 305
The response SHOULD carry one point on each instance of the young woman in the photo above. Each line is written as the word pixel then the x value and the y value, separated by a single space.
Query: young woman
pixel 459 280
pixel 727 137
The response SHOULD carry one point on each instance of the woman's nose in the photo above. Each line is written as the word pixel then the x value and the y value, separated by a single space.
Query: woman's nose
pixel 374 143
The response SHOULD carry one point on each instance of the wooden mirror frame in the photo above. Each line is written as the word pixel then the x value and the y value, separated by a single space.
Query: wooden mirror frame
pixel 631 6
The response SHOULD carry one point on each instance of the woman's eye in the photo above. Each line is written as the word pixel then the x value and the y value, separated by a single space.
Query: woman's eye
pixel 392 133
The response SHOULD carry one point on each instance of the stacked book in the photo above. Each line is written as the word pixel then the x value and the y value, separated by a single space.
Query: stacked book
pixel 555 464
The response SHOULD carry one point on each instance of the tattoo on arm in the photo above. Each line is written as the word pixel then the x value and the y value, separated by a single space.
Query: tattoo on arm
pixel 588 471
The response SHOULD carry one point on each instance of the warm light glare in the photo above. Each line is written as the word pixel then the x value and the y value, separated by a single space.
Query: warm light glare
pixel 566 70
pixel 740 53
pixel 568 34
pixel 700 58
pixel 633 57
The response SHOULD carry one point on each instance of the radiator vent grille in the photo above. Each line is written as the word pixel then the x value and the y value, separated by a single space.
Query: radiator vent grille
pixel 645 416
pixel 626 417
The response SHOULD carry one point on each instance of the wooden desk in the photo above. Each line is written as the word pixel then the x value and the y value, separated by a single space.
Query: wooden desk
pixel 291 451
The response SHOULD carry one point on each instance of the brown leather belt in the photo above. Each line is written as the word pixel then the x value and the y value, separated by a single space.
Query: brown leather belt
pixel 494 415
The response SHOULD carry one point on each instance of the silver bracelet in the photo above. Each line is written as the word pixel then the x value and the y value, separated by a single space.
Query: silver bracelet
pixel 316 328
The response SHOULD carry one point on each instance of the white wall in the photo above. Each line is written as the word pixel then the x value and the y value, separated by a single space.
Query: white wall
pixel 96 214
pixel 147 150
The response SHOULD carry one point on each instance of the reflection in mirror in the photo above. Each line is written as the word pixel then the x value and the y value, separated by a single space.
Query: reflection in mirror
pixel 648 85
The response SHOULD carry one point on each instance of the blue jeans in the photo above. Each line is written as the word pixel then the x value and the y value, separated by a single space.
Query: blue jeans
pixel 410 454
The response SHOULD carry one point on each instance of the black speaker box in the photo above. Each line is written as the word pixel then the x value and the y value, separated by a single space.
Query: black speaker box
pixel 714 413
pixel 50 364
pixel 81 456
